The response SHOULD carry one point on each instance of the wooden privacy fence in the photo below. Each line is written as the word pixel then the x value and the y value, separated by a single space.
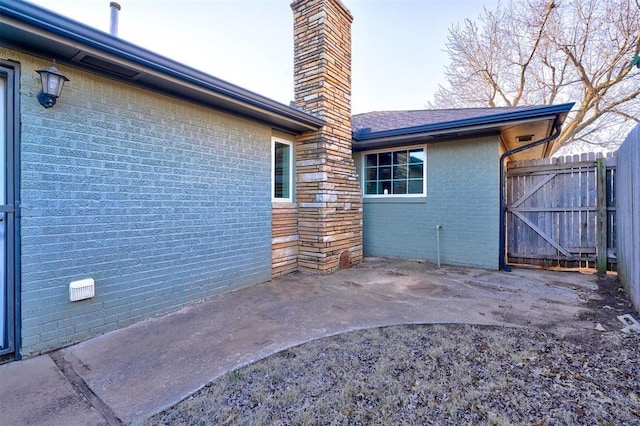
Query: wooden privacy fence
pixel 628 199
pixel 561 212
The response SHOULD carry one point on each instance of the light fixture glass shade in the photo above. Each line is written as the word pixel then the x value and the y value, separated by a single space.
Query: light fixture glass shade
pixel 52 82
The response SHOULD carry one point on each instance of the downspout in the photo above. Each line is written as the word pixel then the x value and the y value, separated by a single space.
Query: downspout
pixel 502 246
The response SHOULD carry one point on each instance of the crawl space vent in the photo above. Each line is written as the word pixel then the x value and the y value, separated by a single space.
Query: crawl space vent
pixel 82 289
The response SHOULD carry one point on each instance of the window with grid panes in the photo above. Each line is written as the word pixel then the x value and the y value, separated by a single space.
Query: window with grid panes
pixel 395 173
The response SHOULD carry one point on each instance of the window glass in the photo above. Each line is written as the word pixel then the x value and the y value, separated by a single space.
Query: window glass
pixel 372 173
pixel 417 156
pixel 415 170
pixel 281 171
pixel 400 157
pixel 384 158
pixel 415 186
pixel 384 173
pixel 395 173
pixel 400 172
pixel 399 186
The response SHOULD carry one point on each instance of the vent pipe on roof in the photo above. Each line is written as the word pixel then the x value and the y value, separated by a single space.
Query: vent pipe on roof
pixel 113 27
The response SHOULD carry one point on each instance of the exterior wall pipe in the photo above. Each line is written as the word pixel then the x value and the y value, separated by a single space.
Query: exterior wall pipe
pixel 438 228
pixel 502 242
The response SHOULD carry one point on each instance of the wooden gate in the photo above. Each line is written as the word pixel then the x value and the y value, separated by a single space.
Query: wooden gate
pixel 561 212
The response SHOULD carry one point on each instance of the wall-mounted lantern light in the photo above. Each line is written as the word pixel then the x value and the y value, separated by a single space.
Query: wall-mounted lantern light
pixel 51 80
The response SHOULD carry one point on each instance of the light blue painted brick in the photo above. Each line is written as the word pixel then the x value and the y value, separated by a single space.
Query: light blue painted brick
pixel 160 201
pixel 462 196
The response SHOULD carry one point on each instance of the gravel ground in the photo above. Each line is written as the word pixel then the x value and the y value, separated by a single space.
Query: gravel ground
pixel 436 374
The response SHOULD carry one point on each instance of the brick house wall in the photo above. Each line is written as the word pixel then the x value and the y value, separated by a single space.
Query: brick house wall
pixel 161 201
pixel 462 196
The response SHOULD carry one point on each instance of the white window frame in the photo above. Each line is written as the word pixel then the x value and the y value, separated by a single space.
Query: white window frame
pixel 275 140
pixel 395 149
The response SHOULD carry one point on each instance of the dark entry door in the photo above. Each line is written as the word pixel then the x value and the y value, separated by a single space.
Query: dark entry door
pixel 7 213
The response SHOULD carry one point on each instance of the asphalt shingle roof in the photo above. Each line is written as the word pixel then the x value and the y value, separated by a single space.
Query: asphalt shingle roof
pixel 378 121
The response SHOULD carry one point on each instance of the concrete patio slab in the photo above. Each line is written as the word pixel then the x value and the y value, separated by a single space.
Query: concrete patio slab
pixel 35 392
pixel 145 368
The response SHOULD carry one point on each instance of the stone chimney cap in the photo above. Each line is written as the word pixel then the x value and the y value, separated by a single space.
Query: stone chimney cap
pixel 296 4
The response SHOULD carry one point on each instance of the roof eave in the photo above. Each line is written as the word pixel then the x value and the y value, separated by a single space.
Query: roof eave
pixel 443 135
pixel 22 16
pixel 494 121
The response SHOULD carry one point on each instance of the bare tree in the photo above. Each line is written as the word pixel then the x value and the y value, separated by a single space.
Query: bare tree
pixel 538 52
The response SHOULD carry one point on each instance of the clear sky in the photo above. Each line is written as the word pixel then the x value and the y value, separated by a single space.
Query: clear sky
pixel 398 58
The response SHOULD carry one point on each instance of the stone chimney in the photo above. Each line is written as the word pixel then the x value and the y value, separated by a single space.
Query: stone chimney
pixel 327 190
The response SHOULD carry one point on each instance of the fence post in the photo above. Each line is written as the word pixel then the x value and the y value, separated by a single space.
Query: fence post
pixel 601 225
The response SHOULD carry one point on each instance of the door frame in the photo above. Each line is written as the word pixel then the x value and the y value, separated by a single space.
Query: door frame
pixel 10 71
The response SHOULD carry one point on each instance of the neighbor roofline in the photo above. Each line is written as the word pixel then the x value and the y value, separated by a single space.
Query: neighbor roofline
pixel 480 124
pixel 76 32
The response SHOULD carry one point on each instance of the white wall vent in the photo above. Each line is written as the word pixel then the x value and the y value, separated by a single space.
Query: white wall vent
pixel 82 289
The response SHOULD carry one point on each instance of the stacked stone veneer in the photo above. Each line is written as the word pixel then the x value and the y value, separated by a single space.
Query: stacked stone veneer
pixel 284 239
pixel 327 189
